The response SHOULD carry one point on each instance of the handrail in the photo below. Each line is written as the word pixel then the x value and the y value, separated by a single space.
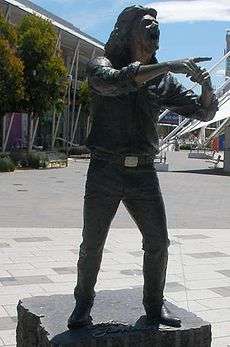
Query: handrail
pixel 223 101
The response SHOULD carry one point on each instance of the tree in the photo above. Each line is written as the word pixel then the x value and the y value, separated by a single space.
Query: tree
pixel 11 70
pixel 11 74
pixel 45 72
pixel 11 79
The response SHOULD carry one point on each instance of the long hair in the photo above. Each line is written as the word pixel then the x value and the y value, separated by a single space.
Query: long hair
pixel 117 49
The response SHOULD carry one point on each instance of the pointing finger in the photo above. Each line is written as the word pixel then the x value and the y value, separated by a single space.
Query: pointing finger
pixel 200 59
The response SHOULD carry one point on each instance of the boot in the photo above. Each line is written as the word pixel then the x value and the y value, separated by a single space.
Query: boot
pixel 81 315
pixel 163 316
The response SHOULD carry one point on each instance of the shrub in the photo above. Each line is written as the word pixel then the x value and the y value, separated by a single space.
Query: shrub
pixel 187 147
pixel 34 159
pixel 79 150
pixel 37 160
pixel 6 164
pixel 20 158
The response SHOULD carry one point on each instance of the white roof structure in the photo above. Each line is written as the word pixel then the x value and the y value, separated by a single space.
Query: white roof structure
pixel 29 7
pixel 223 113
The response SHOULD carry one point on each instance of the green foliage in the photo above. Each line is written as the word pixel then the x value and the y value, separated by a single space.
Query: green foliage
pixel 7 31
pixel 45 72
pixel 84 94
pixel 37 160
pixel 34 159
pixel 37 40
pixel 11 70
pixel 6 164
pixel 187 147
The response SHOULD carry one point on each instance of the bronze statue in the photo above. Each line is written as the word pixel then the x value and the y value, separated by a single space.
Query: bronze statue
pixel 129 90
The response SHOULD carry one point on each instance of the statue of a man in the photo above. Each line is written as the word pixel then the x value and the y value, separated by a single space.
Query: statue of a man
pixel 129 90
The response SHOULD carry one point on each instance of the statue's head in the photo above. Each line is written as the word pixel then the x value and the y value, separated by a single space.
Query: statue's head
pixel 136 25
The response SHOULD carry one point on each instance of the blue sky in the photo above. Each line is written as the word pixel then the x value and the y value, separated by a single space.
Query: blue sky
pixel 188 28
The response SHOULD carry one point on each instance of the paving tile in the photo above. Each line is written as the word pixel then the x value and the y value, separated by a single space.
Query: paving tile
pixel 191 305
pixel 70 277
pixel 215 316
pixel 4 259
pixel 10 310
pixel 21 289
pixel 52 264
pixel 208 284
pixel 21 266
pixel 58 287
pixel 65 270
pixel 192 236
pixel 208 255
pixel 221 342
pixel 225 272
pixel 15 281
pixel 137 253
pixel 29 259
pixel 12 299
pixel 7 323
pixel 4 273
pixel 31 239
pixel 216 303
pixel 193 295
pixel 221 329
pixel 8 337
pixel 31 272
pixel 223 291
pixel 174 287
pixel 208 275
pixel 3 313
pixel 132 272
pixel 4 245
pixel 204 268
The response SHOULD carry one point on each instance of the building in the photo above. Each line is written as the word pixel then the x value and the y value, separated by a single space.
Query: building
pixel 77 49
pixel 227 71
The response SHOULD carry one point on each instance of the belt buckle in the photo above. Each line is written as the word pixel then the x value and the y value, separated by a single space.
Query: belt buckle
pixel 131 161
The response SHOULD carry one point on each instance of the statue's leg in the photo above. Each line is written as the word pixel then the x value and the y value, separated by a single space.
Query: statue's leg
pixel 102 198
pixel 149 215
pixel 144 202
pixel 98 213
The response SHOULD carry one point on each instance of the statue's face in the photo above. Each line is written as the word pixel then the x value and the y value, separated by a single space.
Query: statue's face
pixel 147 33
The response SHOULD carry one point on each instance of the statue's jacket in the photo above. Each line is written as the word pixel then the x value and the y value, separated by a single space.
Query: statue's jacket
pixel 125 113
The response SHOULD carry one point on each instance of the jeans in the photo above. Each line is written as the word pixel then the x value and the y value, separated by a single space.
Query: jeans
pixel 138 188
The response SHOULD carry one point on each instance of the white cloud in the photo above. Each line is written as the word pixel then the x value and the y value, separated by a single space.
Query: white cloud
pixel 194 10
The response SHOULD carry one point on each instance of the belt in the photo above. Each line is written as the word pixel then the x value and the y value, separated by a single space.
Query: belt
pixel 125 160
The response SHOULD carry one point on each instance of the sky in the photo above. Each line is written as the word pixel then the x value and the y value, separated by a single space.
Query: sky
pixel 188 28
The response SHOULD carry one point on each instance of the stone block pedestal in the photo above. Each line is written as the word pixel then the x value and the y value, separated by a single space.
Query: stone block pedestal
pixel 119 321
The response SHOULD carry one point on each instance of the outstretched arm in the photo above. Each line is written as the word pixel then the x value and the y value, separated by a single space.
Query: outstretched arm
pixel 107 81
pixel 187 67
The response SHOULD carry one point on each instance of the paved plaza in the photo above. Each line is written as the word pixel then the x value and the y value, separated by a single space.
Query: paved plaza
pixel 40 232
